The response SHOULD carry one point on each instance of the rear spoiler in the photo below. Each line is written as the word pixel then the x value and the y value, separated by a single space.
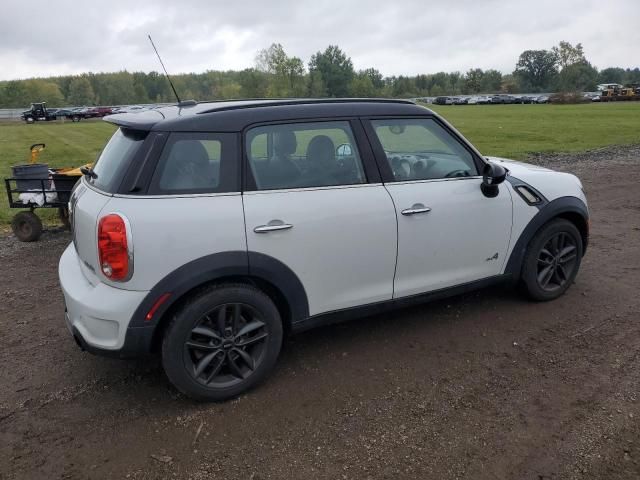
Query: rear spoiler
pixel 138 121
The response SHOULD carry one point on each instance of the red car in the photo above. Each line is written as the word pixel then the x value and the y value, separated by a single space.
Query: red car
pixel 97 112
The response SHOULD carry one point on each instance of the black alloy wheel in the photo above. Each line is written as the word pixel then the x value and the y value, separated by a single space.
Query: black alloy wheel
pixel 552 260
pixel 226 345
pixel 221 341
pixel 556 261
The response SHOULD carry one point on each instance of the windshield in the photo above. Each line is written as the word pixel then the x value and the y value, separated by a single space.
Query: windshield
pixel 115 158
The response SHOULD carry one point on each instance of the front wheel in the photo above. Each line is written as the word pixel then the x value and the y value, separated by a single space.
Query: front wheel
pixel 221 342
pixel 552 260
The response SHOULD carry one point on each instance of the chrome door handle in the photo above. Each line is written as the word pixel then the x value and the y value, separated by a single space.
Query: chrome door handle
pixel 416 208
pixel 273 226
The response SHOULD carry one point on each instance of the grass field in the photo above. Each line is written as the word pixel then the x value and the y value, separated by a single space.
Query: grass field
pixel 67 144
pixel 513 131
pixel 503 130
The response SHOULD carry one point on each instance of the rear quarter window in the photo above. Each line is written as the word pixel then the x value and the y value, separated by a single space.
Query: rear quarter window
pixel 193 163
pixel 116 157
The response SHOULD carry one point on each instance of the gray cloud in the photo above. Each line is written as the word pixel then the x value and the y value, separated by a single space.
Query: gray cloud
pixel 41 37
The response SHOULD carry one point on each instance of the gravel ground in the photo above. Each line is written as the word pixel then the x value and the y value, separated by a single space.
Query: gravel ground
pixel 486 385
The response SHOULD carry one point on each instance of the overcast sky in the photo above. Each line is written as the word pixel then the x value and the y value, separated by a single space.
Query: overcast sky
pixel 46 37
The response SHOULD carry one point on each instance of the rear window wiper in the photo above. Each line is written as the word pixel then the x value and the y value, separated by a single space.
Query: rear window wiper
pixel 88 171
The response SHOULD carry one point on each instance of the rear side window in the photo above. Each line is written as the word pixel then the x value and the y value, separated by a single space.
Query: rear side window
pixel 299 155
pixel 116 157
pixel 196 163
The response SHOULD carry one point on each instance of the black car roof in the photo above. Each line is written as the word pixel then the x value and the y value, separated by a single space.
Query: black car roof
pixel 235 115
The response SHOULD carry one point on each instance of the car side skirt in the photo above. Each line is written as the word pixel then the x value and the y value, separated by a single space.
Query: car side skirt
pixel 361 311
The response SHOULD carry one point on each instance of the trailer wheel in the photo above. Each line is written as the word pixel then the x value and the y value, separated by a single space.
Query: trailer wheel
pixel 26 226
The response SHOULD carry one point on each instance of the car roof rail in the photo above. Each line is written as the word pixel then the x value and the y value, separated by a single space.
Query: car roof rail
pixel 271 102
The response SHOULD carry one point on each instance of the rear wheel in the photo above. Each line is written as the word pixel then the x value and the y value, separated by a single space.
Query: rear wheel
pixel 26 226
pixel 552 260
pixel 221 342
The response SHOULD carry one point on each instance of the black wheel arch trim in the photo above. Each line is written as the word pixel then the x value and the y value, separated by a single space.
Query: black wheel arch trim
pixel 233 264
pixel 556 208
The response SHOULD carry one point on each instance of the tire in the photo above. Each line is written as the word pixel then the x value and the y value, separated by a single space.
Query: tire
pixel 26 226
pixel 207 365
pixel 63 215
pixel 552 260
pixel 75 118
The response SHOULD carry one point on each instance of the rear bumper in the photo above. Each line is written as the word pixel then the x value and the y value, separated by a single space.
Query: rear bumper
pixel 98 315
pixel 137 342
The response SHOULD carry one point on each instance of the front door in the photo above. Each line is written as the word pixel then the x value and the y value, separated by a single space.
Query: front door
pixel 449 233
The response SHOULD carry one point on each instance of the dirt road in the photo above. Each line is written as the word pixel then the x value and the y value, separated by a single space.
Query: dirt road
pixel 482 386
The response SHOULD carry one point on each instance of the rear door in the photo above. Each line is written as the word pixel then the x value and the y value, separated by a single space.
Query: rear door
pixel 313 202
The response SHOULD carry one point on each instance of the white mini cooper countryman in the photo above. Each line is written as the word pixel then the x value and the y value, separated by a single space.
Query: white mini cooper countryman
pixel 208 231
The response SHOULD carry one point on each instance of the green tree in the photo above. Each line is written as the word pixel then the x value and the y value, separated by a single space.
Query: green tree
pixel 139 87
pixel 229 90
pixel 611 75
pixel 437 90
pixel 578 77
pixel 491 81
pixel 566 54
pixel 362 86
pixel 114 88
pixel 536 69
pixel 336 70
pixel 509 84
pixel 473 80
pixel 317 87
pixel 15 94
pixel 80 92
pixel 377 80
pixel 288 72
pixel 253 83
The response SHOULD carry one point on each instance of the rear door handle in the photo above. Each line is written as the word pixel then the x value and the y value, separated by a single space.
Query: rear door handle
pixel 416 208
pixel 273 226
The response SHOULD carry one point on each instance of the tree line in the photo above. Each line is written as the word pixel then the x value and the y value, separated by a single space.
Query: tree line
pixel 329 73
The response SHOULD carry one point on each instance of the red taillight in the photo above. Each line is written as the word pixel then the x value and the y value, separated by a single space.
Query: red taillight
pixel 113 248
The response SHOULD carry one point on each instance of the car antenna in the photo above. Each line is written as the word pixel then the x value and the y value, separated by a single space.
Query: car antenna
pixel 186 103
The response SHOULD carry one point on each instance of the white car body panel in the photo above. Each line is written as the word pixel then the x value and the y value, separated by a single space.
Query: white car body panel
pixel 550 183
pixel 170 231
pixel 342 245
pixel 454 243
pixel 99 312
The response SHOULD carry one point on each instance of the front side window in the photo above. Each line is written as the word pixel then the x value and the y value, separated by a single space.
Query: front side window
pixel 301 155
pixel 191 163
pixel 421 149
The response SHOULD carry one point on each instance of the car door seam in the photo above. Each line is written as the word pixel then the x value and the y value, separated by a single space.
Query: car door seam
pixel 395 267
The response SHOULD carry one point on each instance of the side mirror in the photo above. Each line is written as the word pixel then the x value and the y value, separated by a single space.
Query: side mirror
pixel 344 150
pixel 492 176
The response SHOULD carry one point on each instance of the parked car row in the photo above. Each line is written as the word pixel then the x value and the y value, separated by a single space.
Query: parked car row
pixel 40 112
pixel 498 99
